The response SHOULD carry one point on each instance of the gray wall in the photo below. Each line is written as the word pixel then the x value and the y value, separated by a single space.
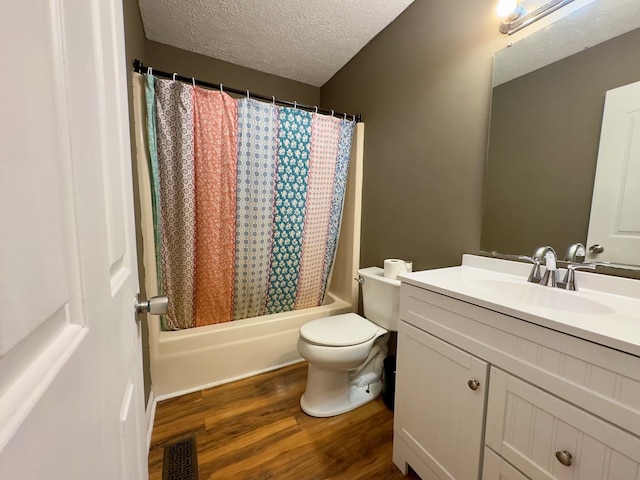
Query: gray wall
pixel 171 59
pixel 423 87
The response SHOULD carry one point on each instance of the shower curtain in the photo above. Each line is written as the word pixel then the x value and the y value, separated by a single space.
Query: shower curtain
pixel 247 201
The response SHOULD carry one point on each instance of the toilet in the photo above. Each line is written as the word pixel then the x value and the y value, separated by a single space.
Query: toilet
pixel 346 352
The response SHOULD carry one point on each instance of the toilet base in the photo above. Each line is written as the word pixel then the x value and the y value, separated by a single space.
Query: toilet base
pixel 330 393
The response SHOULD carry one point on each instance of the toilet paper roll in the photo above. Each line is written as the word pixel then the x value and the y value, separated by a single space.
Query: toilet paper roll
pixel 395 266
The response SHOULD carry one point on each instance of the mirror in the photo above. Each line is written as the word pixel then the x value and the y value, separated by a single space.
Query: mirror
pixel 546 115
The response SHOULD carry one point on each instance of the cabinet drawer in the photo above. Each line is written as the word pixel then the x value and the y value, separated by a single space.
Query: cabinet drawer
pixel 529 428
pixel 597 378
pixel 495 468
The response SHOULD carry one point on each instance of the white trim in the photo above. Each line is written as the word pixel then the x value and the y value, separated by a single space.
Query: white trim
pixel 167 396
pixel 150 415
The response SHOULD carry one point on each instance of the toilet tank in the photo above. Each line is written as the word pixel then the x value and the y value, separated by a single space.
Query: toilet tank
pixel 380 297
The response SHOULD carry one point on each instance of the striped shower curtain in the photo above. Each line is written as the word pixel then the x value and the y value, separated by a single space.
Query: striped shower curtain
pixel 247 201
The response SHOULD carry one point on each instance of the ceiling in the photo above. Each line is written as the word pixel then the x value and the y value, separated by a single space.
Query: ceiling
pixel 303 40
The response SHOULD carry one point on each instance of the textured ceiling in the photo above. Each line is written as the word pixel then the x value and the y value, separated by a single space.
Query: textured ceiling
pixel 303 40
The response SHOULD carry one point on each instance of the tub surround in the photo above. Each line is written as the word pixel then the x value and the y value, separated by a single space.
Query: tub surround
pixel 189 360
pixel 196 358
pixel 501 378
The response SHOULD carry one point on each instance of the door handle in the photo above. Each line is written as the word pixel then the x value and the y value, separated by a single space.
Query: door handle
pixel 154 306
pixel 595 249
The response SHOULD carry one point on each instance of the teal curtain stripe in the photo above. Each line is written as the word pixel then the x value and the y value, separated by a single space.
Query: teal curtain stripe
pixel 154 169
pixel 294 148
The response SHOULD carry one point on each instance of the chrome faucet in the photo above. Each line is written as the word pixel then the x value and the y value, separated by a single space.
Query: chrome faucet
pixel 569 281
pixel 534 275
pixel 547 255
pixel 575 251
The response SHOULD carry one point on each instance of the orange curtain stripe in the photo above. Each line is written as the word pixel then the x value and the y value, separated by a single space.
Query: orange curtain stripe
pixel 216 136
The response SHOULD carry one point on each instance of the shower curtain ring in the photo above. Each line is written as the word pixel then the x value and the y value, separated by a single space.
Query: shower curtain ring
pixel 295 104
pixel 316 109
pixel 273 99
pixel 332 113
pixel 193 79
pixel 345 116
pixel 149 71
pixel 248 95
pixel 221 90
pixel 174 77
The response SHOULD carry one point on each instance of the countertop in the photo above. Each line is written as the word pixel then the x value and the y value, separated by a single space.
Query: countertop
pixel 605 309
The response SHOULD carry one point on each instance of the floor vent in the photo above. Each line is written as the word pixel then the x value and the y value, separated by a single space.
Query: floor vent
pixel 180 460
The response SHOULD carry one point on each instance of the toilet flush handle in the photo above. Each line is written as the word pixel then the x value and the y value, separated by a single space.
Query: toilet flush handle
pixel 360 280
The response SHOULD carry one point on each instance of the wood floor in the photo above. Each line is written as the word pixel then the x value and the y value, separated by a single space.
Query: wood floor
pixel 254 429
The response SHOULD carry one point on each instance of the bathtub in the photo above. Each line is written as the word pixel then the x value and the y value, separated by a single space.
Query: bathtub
pixel 196 358
pixel 188 360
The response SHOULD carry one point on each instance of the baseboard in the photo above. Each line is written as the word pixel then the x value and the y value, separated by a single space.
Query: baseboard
pixel 167 396
pixel 150 415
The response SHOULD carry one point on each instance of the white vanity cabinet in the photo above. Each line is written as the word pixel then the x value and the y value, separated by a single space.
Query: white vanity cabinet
pixel 440 414
pixel 496 468
pixel 548 405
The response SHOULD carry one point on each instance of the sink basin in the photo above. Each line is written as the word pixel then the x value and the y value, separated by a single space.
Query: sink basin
pixel 539 296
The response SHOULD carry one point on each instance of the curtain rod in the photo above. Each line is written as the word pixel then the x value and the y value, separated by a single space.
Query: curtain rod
pixel 139 67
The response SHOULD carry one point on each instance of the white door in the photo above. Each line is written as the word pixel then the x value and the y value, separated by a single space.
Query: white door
pixel 615 208
pixel 71 403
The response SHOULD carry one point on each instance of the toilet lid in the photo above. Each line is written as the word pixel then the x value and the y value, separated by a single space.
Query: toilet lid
pixel 339 330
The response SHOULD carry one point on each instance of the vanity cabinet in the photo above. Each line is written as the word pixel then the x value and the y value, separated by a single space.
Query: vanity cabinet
pixel 441 412
pixel 547 405
pixel 496 468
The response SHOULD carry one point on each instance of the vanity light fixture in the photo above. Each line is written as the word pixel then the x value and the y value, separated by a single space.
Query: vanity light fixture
pixel 515 14
pixel 509 10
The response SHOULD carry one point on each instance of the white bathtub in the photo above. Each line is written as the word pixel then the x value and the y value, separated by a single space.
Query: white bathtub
pixel 196 358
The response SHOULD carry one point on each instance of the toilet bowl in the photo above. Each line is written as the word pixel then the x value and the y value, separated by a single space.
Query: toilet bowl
pixel 346 352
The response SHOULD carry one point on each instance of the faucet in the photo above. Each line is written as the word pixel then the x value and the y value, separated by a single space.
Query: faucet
pixel 569 281
pixel 575 251
pixel 547 255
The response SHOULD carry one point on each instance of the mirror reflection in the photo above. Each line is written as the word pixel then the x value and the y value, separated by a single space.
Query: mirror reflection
pixel 543 146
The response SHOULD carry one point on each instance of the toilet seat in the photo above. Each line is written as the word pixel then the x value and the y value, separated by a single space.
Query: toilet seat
pixel 339 330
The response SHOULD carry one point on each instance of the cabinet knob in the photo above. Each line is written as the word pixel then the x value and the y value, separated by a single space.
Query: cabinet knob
pixel 473 384
pixel 564 458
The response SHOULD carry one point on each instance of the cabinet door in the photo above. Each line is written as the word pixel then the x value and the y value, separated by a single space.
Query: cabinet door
pixel 548 438
pixel 495 468
pixel 439 405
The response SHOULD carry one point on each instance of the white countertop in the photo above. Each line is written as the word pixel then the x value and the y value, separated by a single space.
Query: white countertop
pixel 605 309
